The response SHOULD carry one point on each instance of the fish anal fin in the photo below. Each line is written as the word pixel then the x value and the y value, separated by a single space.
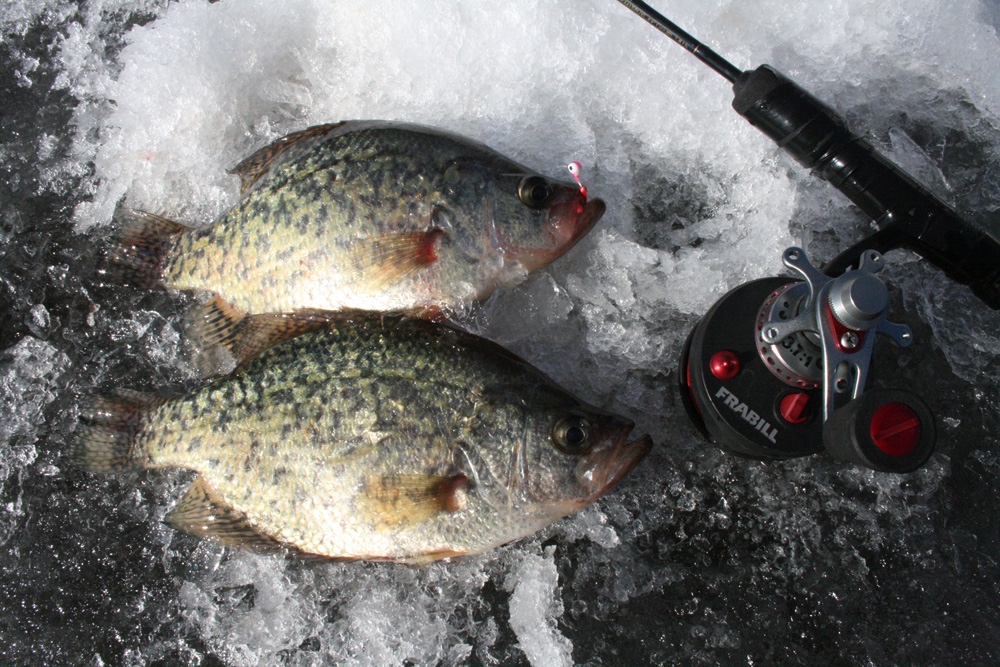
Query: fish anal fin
pixel 138 246
pixel 257 164
pixel 202 513
pixel 210 330
pixel 391 500
pixel 384 260
pixel 260 332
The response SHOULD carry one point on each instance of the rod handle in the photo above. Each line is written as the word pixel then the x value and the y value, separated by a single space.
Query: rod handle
pixel 907 214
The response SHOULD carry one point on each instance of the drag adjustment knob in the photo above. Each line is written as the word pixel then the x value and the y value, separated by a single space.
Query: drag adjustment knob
pixel 858 300
pixel 794 408
pixel 890 430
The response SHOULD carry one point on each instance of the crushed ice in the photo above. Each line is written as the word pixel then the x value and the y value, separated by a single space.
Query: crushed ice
pixel 698 203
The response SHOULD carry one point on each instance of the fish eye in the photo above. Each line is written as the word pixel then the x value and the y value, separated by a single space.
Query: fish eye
pixel 572 435
pixel 534 191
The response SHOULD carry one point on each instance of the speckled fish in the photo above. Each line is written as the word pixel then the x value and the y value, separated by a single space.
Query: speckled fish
pixel 396 439
pixel 359 215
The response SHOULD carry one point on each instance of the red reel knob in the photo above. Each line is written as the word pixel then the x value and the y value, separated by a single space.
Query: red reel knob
pixel 725 365
pixel 895 429
pixel 884 429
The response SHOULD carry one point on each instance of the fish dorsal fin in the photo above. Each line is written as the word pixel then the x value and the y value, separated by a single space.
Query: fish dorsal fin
pixel 252 168
pixel 394 499
pixel 383 260
pixel 202 513
pixel 217 323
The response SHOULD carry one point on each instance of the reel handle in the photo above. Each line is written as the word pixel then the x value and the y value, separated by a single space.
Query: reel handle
pixel 907 214
pixel 890 430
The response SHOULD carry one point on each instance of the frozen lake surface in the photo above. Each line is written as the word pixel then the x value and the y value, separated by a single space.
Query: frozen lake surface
pixel 697 558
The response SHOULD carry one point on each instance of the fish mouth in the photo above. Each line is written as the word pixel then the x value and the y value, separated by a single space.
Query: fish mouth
pixel 593 211
pixel 607 467
pixel 570 218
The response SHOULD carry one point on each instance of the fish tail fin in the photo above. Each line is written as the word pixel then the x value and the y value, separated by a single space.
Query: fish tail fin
pixel 218 325
pixel 138 248
pixel 105 436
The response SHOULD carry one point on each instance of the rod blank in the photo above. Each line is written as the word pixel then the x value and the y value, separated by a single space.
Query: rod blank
pixel 729 71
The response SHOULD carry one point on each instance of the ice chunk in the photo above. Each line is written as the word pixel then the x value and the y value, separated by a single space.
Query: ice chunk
pixel 527 309
pixel 28 382
pixel 19 15
pixel 39 321
pixel 535 609
pixel 253 608
pixel 29 377
pixel 591 523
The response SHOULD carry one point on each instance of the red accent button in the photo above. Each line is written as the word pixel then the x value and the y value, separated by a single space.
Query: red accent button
pixel 895 429
pixel 724 365
pixel 794 408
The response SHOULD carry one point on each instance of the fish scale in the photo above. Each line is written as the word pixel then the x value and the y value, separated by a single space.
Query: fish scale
pixel 363 215
pixel 374 437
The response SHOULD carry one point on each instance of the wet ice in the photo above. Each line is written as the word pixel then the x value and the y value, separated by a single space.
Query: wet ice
pixel 698 558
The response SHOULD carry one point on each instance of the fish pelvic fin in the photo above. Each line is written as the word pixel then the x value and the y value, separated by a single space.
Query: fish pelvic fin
pixel 106 434
pixel 203 513
pixel 252 168
pixel 387 259
pixel 391 500
pixel 138 247
pixel 217 324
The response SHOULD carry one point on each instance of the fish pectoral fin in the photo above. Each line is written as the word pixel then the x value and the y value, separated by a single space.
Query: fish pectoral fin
pixel 202 513
pixel 252 168
pixel 384 260
pixel 218 323
pixel 402 498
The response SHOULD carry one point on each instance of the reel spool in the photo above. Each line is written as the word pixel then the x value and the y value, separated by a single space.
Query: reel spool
pixel 777 368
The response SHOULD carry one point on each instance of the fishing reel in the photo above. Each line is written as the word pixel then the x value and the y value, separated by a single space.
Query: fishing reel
pixel 777 369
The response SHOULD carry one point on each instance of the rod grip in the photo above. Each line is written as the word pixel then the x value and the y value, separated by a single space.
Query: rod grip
pixel 907 214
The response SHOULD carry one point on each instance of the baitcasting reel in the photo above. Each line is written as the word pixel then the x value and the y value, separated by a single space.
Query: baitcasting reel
pixel 777 369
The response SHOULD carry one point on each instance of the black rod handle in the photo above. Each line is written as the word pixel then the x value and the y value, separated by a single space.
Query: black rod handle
pixel 906 212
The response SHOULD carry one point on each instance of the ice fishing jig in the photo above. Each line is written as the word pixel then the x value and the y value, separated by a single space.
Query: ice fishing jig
pixel 778 367
pixel 575 168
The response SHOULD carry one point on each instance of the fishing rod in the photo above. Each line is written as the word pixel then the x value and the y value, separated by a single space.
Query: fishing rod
pixel 906 213
pixel 778 367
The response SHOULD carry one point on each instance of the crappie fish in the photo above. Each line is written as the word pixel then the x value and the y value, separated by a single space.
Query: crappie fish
pixel 361 215
pixel 375 438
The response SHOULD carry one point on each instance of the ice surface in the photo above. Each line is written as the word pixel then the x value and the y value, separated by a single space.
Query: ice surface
pixel 698 557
